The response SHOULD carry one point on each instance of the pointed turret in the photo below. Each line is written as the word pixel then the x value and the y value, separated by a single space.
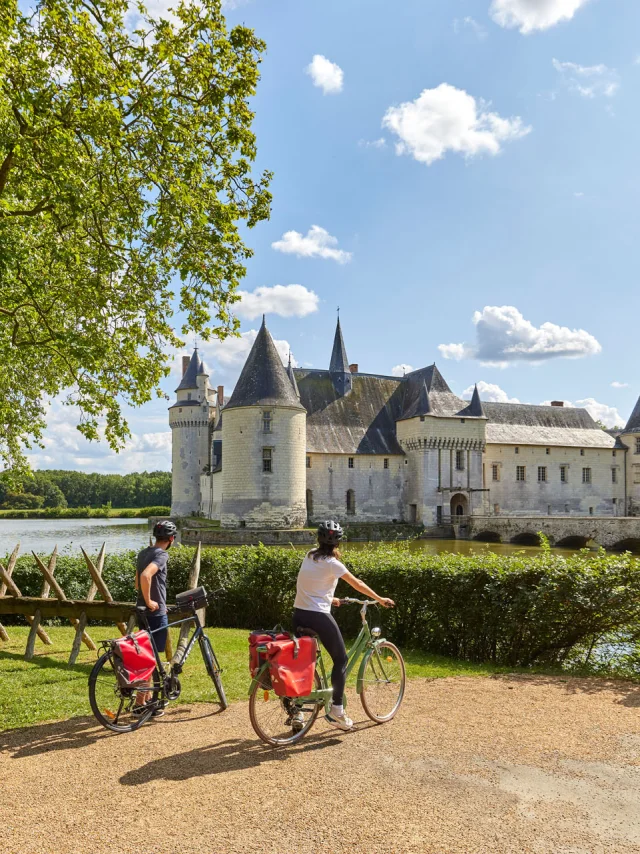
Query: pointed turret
pixel 189 380
pixel 202 369
pixel 475 408
pixel 633 424
pixel 264 380
pixel 339 365
pixel 292 377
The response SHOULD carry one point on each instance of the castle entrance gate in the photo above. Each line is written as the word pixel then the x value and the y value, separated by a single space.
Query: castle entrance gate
pixel 459 505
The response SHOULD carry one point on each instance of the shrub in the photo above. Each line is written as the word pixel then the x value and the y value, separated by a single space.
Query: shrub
pixel 517 609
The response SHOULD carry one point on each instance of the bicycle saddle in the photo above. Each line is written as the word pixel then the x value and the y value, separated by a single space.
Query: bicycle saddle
pixel 301 632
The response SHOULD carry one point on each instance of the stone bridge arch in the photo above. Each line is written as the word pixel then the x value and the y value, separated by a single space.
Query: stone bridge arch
pixel 488 537
pixel 574 541
pixel 526 538
pixel 630 544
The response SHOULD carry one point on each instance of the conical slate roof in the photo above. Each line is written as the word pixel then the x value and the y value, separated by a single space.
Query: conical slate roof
pixel 475 409
pixel 339 363
pixel 202 369
pixel 421 405
pixel 292 377
pixel 189 378
pixel 264 380
pixel 633 424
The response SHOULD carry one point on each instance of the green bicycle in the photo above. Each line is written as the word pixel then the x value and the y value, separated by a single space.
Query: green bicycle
pixel 380 684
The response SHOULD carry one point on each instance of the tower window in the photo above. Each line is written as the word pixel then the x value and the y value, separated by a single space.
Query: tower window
pixel 517 450
pixel 586 475
pixel 386 462
pixel 459 460
pixel 563 474
pixel 350 462
pixel 637 445
pixel 542 474
pixel 495 472
pixel 266 421
pixel 582 452
pixel 308 462
pixel 548 450
pixel 351 502
pixel 521 472
pixel 614 475
pixel 188 395
pixel 267 460
pixel 613 453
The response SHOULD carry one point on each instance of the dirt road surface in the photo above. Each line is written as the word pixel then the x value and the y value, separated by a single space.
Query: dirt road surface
pixel 469 766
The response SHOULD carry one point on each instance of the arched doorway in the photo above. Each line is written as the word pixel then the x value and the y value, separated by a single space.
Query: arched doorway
pixel 459 504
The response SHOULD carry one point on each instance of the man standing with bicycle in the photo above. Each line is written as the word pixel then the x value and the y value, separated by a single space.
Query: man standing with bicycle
pixel 151 584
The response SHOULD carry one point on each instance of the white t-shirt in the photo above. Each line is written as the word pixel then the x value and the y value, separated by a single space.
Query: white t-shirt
pixel 317 581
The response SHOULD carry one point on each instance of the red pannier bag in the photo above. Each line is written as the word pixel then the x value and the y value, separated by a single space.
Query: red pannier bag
pixel 134 659
pixel 292 664
pixel 261 638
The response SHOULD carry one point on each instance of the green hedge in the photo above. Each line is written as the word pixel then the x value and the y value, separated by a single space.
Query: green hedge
pixel 85 513
pixel 517 609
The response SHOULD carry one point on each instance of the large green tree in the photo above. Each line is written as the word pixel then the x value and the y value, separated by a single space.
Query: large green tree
pixel 125 167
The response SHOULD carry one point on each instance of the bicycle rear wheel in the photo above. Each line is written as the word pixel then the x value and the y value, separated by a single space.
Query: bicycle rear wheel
pixel 280 720
pixel 114 706
pixel 383 682
pixel 213 669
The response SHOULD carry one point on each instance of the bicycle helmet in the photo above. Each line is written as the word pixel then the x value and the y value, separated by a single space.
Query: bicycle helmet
pixel 330 533
pixel 164 530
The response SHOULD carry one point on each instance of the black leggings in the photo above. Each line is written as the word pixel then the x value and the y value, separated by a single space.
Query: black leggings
pixel 329 633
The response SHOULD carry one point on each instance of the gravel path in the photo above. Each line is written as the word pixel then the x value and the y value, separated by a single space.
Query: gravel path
pixel 470 766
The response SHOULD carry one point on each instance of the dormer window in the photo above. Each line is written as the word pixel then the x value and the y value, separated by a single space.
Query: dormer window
pixel 188 395
pixel 266 421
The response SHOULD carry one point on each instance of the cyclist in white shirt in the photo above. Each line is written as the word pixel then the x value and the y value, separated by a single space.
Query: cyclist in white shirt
pixel 319 574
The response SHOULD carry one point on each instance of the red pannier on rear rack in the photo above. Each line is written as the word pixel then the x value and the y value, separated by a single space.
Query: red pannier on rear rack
pixel 261 637
pixel 292 664
pixel 133 659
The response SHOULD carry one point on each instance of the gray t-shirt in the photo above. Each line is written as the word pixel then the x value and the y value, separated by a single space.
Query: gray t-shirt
pixel 154 554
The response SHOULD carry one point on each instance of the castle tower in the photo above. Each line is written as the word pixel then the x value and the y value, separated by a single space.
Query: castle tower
pixel 190 419
pixel 264 436
pixel 339 365
pixel 630 438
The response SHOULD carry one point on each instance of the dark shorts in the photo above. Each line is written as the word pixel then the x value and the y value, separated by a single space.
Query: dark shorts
pixel 158 625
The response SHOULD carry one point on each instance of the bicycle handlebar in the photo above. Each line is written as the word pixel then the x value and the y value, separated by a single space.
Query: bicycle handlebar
pixel 349 601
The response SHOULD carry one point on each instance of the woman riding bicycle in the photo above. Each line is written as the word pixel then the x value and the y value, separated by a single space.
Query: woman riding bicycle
pixel 319 574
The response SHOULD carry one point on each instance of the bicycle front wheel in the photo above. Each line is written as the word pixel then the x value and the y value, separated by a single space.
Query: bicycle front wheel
pixel 383 682
pixel 213 669
pixel 280 720
pixel 116 707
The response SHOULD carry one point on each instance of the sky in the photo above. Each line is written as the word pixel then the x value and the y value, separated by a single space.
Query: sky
pixel 461 178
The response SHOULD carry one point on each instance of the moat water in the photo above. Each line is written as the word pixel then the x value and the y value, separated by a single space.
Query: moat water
pixel 42 535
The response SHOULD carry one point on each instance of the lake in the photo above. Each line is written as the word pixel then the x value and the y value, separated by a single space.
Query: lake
pixel 41 535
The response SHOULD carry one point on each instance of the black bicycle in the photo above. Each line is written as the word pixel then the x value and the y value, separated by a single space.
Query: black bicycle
pixel 116 703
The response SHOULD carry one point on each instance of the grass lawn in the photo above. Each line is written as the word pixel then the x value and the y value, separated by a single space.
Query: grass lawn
pixel 46 689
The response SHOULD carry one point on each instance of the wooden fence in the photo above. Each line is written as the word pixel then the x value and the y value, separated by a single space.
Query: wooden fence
pixel 78 611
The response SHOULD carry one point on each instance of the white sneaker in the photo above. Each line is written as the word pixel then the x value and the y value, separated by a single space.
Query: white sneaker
pixel 339 721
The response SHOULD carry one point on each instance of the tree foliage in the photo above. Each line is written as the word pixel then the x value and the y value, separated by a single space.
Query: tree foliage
pixel 125 167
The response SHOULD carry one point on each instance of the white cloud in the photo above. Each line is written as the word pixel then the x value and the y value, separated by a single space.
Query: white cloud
pixel 490 392
pixel 504 336
pixel 607 415
pixel 401 370
pixel 531 15
pixel 326 75
pixel 469 23
pixel 616 384
pixel 589 81
pixel 233 351
pixel 317 243
pixel 449 119
pixel 373 143
pixel 579 195
pixel 284 300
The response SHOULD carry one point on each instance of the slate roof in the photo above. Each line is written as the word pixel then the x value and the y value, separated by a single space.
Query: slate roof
pixel 339 363
pixel 264 380
pixel 523 424
pixel 442 401
pixel 633 424
pixel 188 381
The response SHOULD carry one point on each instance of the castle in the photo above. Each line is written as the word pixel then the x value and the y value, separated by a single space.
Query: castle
pixel 294 445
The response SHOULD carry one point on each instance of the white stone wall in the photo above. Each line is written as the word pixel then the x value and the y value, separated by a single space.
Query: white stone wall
pixel 377 490
pixel 633 472
pixel 532 497
pixel 211 495
pixel 190 455
pixel 251 496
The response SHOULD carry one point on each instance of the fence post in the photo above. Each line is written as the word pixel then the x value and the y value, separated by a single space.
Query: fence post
pixel 99 583
pixel 77 641
pixel 194 574
pixel 37 617
pixel 3 587
pixel 15 591
pixel 61 596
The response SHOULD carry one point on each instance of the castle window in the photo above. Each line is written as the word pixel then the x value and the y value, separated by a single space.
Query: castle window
pixel 637 445
pixel 564 474
pixel 308 462
pixel 517 450
pixel 188 395
pixel 542 474
pixel 351 502
pixel 459 460
pixel 266 421
pixel 496 509
pixel 386 462
pixel 636 474
pixel 495 472
pixel 613 453
pixel 521 472
pixel 614 475
pixel 582 452
pixel 590 511
pixel 548 450
pixel 462 420
pixel 350 462
pixel 267 460
pixel 586 475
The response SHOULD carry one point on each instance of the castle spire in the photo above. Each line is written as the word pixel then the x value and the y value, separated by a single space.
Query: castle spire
pixel 292 377
pixel 475 408
pixel 633 424
pixel 189 381
pixel 339 365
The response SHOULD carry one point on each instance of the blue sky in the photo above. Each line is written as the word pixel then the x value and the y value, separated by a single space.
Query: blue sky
pixel 473 161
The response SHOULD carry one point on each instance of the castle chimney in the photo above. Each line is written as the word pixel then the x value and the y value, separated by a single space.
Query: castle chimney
pixel 353 368
pixel 185 364
pixel 220 395
pixel 557 403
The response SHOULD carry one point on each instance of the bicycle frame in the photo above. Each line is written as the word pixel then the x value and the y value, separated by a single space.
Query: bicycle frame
pixel 198 633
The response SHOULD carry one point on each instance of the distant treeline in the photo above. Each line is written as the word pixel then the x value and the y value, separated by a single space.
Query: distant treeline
pixel 55 488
